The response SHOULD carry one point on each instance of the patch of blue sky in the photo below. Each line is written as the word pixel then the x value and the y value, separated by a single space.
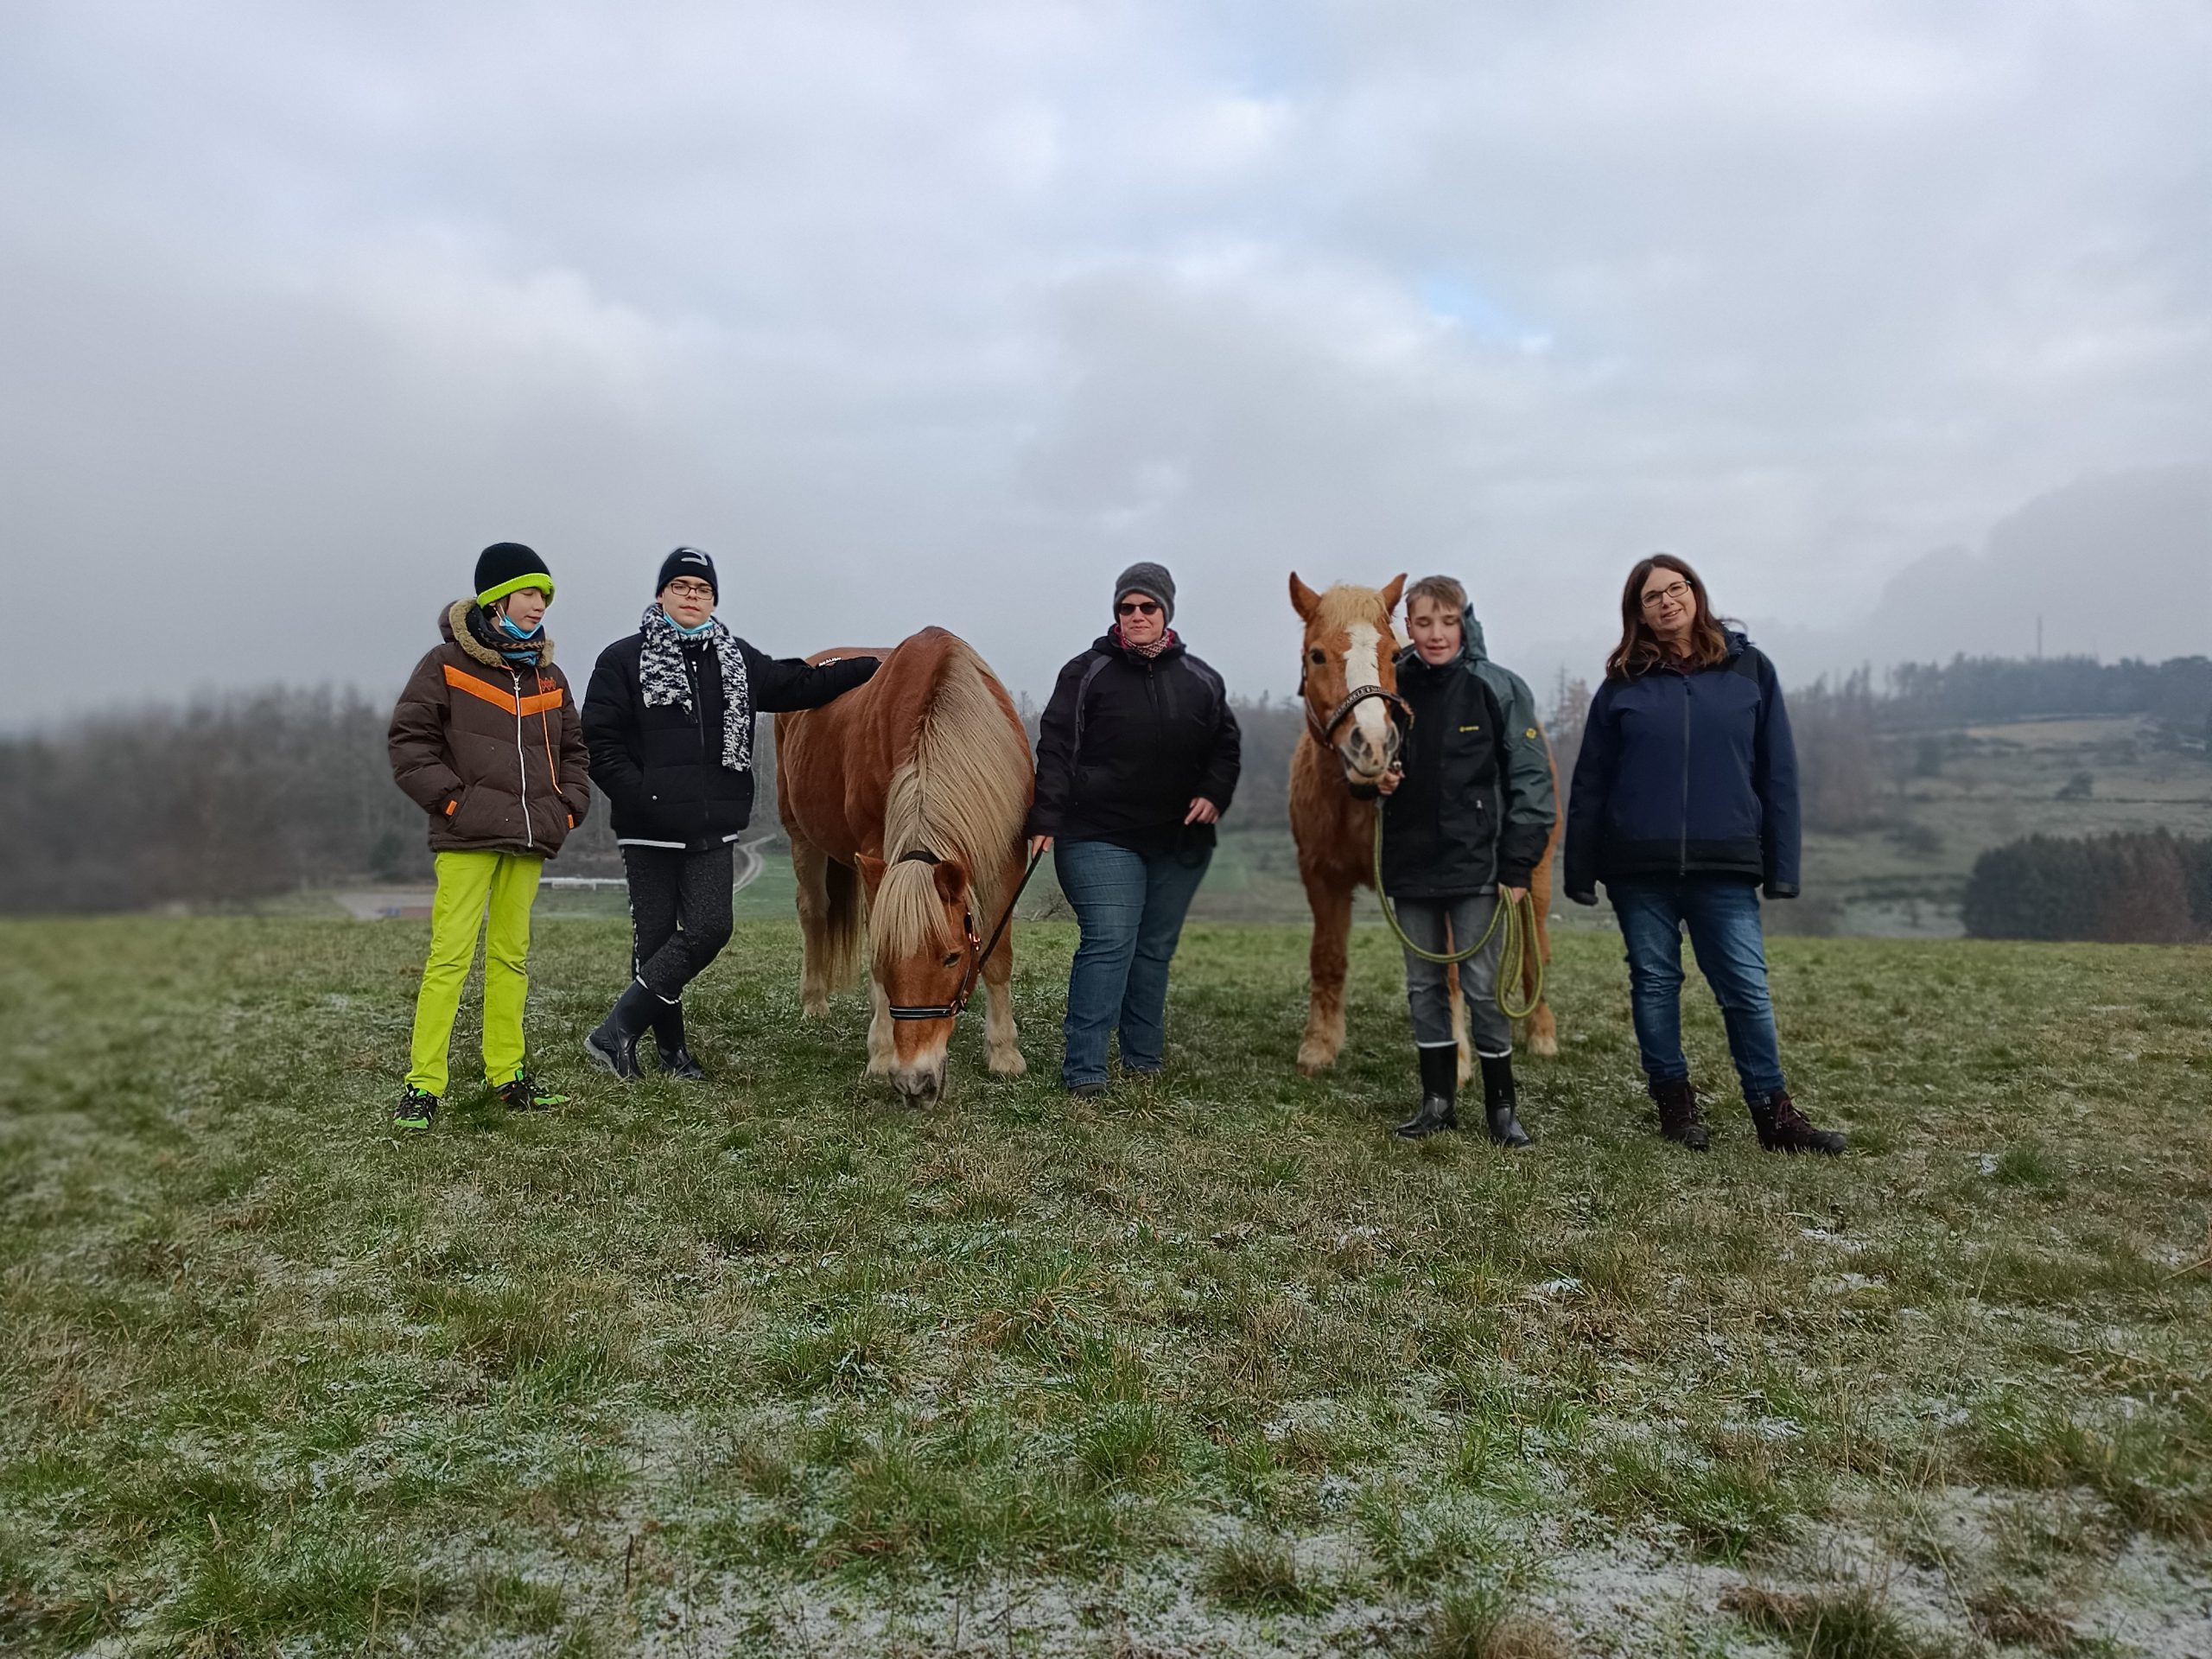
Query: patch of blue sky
pixel 1482 315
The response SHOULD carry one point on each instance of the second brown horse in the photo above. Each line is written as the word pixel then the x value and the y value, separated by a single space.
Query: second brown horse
pixel 1349 679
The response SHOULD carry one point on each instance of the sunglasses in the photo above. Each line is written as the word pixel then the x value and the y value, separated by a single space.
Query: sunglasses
pixel 1138 608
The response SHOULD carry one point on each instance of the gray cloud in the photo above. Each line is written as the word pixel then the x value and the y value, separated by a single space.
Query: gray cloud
pixel 943 313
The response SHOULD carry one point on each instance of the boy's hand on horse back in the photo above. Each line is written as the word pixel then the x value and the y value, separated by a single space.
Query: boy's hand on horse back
pixel 1202 811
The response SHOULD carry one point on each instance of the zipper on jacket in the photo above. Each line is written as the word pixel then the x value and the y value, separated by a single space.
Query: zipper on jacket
pixel 699 719
pixel 522 760
pixel 1683 864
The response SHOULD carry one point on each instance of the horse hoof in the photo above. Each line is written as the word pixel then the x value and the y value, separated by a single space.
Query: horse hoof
pixel 1009 1065
pixel 1313 1062
pixel 1546 1047
pixel 814 1007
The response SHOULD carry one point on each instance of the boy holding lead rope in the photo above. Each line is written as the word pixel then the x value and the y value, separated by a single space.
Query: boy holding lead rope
pixel 1464 824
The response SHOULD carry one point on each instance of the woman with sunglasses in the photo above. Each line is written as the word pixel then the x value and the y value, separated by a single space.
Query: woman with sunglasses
pixel 1137 758
pixel 1685 801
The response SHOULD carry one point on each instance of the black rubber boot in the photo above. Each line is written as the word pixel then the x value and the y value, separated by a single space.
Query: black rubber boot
pixel 1783 1128
pixel 1439 1081
pixel 668 1036
pixel 1679 1120
pixel 614 1044
pixel 1498 1102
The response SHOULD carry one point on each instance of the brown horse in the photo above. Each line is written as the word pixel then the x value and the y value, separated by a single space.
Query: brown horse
pixel 1349 678
pixel 913 787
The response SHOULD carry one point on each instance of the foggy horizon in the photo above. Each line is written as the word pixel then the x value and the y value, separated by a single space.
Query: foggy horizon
pixel 1897 322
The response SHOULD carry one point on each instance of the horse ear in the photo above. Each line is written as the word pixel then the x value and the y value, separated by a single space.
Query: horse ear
pixel 871 871
pixel 1304 599
pixel 952 879
pixel 1391 593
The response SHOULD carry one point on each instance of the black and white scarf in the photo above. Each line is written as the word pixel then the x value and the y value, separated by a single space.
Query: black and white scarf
pixel 662 679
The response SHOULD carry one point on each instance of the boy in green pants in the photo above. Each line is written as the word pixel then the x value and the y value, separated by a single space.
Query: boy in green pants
pixel 487 740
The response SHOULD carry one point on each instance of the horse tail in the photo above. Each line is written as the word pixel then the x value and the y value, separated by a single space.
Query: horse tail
pixel 844 916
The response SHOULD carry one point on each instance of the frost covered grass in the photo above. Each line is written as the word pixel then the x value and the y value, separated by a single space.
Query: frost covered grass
pixel 1211 1366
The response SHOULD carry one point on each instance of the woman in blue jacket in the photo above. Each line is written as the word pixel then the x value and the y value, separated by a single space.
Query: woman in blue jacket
pixel 1684 803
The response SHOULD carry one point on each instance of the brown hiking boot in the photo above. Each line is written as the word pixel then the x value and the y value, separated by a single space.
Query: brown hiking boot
pixel 1783 1128
pixel 1679 1118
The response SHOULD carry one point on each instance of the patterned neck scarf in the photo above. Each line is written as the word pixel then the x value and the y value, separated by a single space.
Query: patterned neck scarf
pixel 662 678
pixel 1167 638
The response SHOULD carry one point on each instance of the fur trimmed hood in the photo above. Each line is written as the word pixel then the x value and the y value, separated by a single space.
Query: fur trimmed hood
pixel 453 627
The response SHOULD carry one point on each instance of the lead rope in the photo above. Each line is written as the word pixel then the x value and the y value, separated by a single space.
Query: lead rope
pixel 1513 956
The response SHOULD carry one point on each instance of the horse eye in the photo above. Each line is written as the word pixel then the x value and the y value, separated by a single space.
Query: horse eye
pixel 1319 655
pixel 952 958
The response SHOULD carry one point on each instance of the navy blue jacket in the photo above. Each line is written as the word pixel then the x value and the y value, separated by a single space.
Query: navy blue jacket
pixel 1687 775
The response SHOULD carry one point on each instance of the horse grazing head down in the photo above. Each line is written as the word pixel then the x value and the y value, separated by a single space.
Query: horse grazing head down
pixel 927 957
pixel 1349 676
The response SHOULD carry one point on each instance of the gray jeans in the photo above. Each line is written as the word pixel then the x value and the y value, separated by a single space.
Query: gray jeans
pixel 1425 921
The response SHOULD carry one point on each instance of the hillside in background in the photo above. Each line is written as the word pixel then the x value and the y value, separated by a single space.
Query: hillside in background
pixel 277 794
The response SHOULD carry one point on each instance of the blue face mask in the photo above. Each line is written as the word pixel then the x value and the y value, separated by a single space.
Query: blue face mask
pixel 690 633
pixel 508 623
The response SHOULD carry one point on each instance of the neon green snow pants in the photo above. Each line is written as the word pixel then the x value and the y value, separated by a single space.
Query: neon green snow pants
pixel 471 886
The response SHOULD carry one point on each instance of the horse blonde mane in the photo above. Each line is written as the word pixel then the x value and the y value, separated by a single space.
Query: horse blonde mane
pixel 963 794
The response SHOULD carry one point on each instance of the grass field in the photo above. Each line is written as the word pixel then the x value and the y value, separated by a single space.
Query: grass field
pixel 1212 1367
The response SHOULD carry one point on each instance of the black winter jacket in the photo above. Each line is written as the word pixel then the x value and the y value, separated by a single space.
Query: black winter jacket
pixel 1687 775
pixel 1126 742
pixel 661 768
pixel 1477 806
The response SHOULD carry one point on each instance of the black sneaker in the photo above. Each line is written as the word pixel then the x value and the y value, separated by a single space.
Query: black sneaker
pixel 416 1110
pixel 523 1093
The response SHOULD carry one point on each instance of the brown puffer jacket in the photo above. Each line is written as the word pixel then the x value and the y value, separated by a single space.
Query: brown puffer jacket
pixel 494 753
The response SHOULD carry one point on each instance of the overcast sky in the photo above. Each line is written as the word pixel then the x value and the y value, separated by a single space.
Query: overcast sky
pixel 942 313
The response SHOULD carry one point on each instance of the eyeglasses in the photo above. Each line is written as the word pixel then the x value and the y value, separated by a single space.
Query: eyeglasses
pixel 1676 591
pixel 683 589
pixel 1137 608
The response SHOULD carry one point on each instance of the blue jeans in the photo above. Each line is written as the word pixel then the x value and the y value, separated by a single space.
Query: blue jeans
pixel 1723 918
pixel 1131 906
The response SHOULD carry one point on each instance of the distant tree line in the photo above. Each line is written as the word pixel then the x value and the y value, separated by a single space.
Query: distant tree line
pixel 239 797
pixel 227 798
pixel 2144 887
pixel 2178 693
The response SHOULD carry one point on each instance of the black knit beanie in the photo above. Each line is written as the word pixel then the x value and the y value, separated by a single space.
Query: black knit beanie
pixel 507 567
pixel 1151 580
pixel 688 561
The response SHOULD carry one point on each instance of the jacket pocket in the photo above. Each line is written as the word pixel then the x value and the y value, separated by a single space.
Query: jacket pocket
pixel 474 815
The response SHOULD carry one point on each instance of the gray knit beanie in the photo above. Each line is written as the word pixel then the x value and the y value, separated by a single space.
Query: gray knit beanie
pixel 1150 580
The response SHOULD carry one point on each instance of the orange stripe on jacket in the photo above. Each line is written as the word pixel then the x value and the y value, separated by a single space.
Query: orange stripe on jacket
pixel 462 680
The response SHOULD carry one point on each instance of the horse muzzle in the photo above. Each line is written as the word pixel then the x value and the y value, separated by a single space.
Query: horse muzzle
pixel 921 1085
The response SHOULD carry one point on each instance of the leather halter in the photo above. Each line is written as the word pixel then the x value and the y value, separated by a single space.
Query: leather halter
pixel 1324 732
pixel 978 952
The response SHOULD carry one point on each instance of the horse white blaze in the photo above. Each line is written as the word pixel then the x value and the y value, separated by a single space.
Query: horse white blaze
pixel 1362 666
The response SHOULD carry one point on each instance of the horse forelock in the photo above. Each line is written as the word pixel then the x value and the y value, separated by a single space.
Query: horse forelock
pixel 961 793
